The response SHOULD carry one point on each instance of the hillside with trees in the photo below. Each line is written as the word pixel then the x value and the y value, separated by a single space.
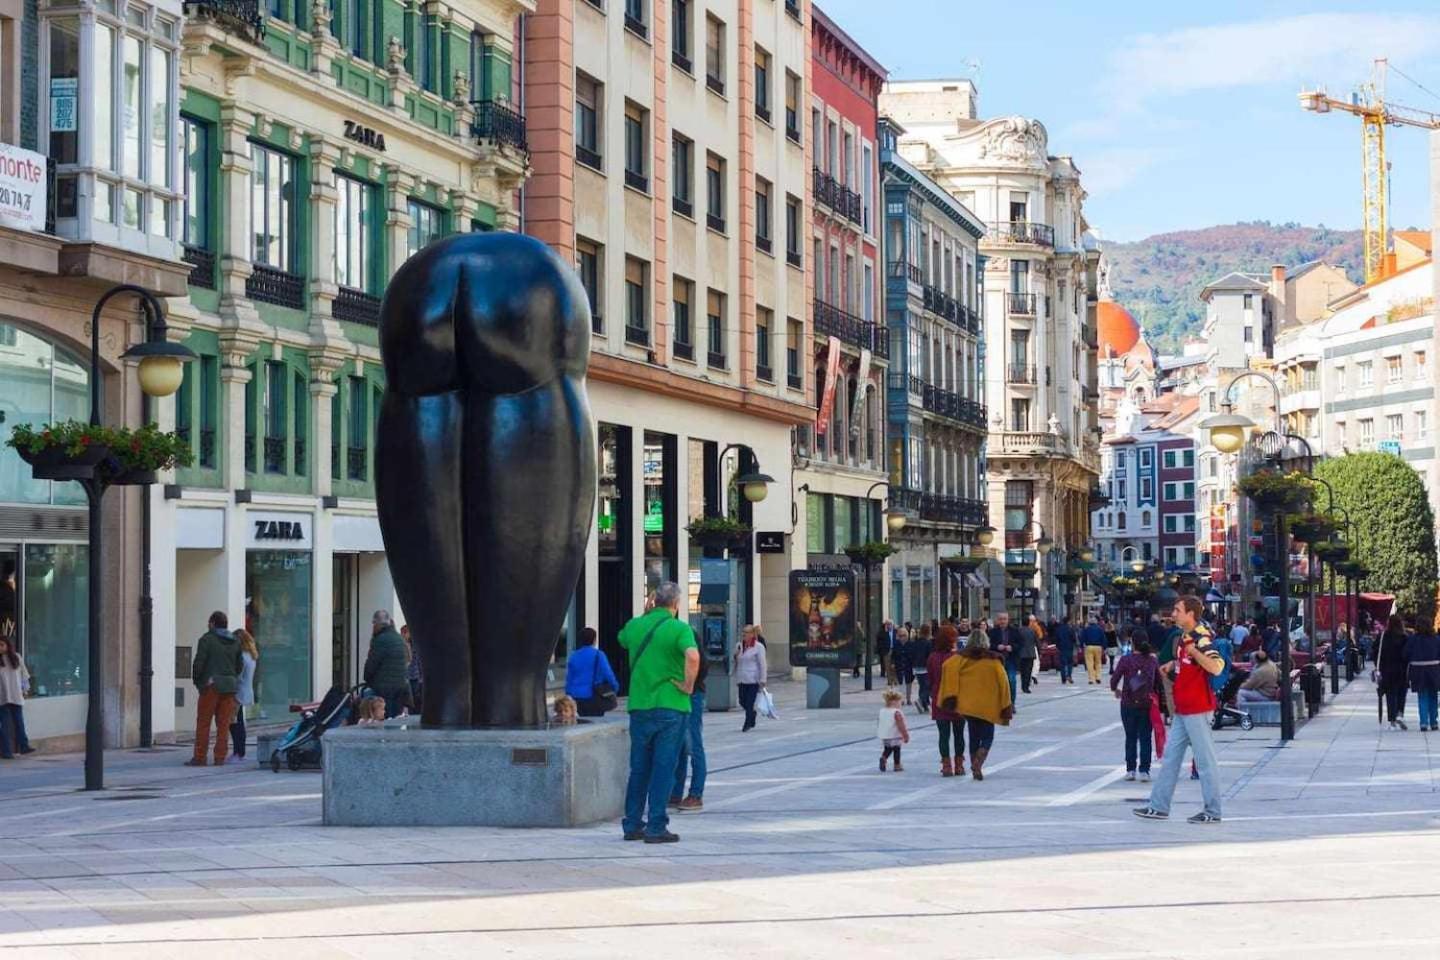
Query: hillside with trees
pixel 1159 279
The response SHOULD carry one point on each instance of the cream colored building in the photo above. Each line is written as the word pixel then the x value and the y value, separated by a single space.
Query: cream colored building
pixel 1040 389
pixel 667 141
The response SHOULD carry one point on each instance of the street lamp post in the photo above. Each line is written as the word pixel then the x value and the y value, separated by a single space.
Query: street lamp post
pixel 1043 545
pixel 895 520
pixel 160 374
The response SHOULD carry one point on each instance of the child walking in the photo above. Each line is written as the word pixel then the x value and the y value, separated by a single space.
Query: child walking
pixel 891 729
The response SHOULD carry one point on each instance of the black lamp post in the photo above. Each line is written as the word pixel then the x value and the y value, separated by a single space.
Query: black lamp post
pixel 895 520
pixel 1023 571
pixel 160 375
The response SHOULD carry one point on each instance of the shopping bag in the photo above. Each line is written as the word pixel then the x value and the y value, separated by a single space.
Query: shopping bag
pixel 1157 725
pixel 765 705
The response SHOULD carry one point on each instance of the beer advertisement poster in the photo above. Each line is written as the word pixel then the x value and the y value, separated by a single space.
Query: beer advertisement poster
pixel 822 618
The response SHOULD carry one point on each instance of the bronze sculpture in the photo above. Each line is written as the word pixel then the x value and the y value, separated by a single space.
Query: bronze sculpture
pixel 485 467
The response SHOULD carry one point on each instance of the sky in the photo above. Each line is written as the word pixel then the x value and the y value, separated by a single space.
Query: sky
pixel 1182 114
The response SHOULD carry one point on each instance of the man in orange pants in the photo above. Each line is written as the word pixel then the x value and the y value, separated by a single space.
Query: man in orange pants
pixel 215 672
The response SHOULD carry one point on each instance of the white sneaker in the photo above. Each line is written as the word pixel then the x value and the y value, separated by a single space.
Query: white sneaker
pixel 1130 775
pixel 1144 778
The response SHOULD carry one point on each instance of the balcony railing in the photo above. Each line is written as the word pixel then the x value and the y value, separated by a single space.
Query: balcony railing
pixel 763 244
pixel 597 323
pixel 1022 231
pixel 637 181
pixel 355 463
pixel 279 287
pixel 682 206
pixel 837 196
pixel 792 125
pixel 794 381
pixel 793 258
pixel 949 404
pixel 715 360
pixel 589 158
pixel 792 7
pixel 715 83
pixel 636 26
pixel 831 321
pixel 763 371
pixel 249 453
pixel 682 61
pixel 1020 304
pixel 1019 373
pixel 274 454
pixel 207 446
pixel 202 266
pixel 762 112
pixel 1025 442
pixel 242 16
pixel 357 306
pixel 639 336
pixel 940 507
pixel 299 465
pixel 683 350
pixel 715 223
pixel 899 269
pixel 498 121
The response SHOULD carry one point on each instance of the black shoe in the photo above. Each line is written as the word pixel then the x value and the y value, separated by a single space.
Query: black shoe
pixel 1150 813
pixel 1203 817
pixel 634 835
pixel 666 837
pixel 25 750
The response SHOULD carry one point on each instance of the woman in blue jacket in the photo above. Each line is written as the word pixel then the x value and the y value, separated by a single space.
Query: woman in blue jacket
pixel 586 668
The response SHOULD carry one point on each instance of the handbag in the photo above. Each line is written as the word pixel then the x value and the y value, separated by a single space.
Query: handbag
pixel 602 692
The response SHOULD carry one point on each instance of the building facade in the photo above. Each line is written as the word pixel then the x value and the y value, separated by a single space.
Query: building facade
pixel 670 161
pixel 317 156
pixel 90 137
pixel 1042 449
pixel 934 307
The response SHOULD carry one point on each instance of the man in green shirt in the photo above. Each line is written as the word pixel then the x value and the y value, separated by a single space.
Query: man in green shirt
pixel 664 661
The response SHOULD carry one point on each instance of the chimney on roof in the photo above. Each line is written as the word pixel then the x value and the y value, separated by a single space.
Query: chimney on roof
pixel 1277 281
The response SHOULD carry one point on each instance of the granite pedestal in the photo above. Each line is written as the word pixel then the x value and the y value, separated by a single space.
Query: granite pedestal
pixel 556 777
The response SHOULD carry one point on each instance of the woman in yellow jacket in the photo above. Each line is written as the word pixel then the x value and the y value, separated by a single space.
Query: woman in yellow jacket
pixel 973 684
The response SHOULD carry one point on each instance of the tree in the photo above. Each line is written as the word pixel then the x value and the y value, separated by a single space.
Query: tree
pixel 1386 501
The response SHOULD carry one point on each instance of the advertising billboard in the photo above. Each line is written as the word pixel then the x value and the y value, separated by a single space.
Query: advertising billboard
pixel 822 618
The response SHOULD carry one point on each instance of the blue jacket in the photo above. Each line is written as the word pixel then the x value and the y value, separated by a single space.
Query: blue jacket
pixel 1065 637
pixel 583 668
pixel 1093 635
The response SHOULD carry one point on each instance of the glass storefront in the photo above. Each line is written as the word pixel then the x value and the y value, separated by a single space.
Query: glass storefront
pixel 39 383
pixel 278 610
pixel 54 598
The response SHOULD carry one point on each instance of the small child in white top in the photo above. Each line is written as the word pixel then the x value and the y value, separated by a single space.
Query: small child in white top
pixel 891 729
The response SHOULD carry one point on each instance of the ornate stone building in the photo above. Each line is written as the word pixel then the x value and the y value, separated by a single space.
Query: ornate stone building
pixel 1040 297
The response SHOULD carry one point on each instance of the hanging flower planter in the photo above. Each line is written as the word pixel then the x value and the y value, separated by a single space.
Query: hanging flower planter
pixel 72 450
pixel 1270 490
pixel 869 553
pixel 719 533
pixel 1311 527
pixel 1334 552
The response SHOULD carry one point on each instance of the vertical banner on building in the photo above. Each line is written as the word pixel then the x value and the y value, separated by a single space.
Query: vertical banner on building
pixel 832 373
pixel 822 618
pixel 862 384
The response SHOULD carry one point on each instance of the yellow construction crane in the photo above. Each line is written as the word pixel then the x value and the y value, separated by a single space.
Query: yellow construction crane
pixel 1369 104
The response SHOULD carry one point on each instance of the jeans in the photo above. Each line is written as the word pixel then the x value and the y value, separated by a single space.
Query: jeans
pixel 692 751
pixel 951 730
pixel 1027 667
pixel 1427 702
pixel 1252 696
pixel 1012 673
pixel 217 708
pixel 1066 657
pixel 655 737
pixel 922 692
pixel 12 728
pixel 1192 729
pixel 1395 703
pixel 748 693
pixel 237 732
pixel 395 700
pixel 982 735
pixel 1094 656
pixel 1137 737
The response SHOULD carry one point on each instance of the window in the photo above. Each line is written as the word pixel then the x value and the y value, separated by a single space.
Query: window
pixel 195 228
pixel 715 192
pixel 588 97
pixel 682 175
pixel 635 17
pixel 1422 427
pixel 1420 371
pixel 358 441
pixel 209 409
pixel 1394 369
pixel 792 229
pixel 637 326
pixel 1147 459
pixel 426 226
pixel 762 84
pixel 635 147
pixel 792 106
pixel 764 321
pixel 1179 491
pixel 680 34
pixel 794 334
pixel 276 381
pixel 272 217
pixel 1367 372
pixel 1120 520
pixel 762 214
pixel 1144 518
pixel 1168 459
pixel 684 291
pixel 1019 276
pixel 1249 301
pixel 587 264
pixel 1395 426
pixel 715 314
pixel 1020 415
pixel 1019 206
pixel 423 58
pixel 714 54
pixel 353 26
pixel 867 190
pixel 353 233
pixel 1147 488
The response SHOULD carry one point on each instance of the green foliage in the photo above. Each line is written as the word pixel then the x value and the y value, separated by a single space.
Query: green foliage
pixel 146 449
pixel 1311 527
pixel 870 552
pixel 1270 489
pixel 718 528
pixel 1386 501
pixel 1159 279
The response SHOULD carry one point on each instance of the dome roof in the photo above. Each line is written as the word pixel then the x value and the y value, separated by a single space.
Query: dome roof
pixel 1118 331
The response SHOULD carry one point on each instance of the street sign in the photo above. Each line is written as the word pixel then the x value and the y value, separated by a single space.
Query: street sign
pixel 769 541
pixel 1389 446
pixel 1086 598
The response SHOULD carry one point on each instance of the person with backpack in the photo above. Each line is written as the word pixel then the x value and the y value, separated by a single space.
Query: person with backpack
pixel 1133 682
pixel 589 678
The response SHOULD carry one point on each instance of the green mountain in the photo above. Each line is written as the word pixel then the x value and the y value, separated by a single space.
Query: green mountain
pixel 1159 279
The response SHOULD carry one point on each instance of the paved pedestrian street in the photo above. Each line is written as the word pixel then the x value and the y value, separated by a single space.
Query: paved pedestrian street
pixel 1329 849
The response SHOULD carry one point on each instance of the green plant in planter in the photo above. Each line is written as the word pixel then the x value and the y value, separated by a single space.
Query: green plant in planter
pixel 1311 527
pixel 74 438
pixel 129 451
pixel 871 552
pixel 149 449
pixel 1331 551
pixel 716 529
pixel 1271 489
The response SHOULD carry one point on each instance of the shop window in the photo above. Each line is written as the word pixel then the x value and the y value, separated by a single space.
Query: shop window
pixel 354 233
pixel 54 637
pixel 278 585
pixel 659 525
pixel 39 383
pixel 815 525
pixel 427 224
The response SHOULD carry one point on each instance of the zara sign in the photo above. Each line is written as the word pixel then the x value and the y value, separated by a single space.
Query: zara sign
pixel 278 531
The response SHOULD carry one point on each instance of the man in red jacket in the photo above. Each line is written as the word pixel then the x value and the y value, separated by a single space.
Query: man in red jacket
pixel 1196 661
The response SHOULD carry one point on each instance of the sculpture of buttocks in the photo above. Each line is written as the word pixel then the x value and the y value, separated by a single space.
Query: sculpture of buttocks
pixel 485 467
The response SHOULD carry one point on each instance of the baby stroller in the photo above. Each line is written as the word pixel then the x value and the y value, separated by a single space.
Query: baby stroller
pixel 1227 714
pixel 300 748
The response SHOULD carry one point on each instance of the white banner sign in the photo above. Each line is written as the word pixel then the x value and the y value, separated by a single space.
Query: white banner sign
pixel 862 383
pixel 22 188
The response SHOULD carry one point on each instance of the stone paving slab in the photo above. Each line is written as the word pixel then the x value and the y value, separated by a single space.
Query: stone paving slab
pixel 804 849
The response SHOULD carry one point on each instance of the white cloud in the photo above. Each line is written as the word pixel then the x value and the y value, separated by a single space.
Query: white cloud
pixel 1110 170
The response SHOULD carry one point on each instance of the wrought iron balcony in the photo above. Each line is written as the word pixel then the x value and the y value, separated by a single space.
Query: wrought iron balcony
pixel 274 454
pixel 831 321
pixel 637 181
pixel 940 507
pixel 762 112
pixel 207 446
pixel 682 206
pixel 794 381
pixel 1022 231
pixel 279 287
pixel 901 270
pixel 792 7
pixel 355 463
pixel 357 306
pixel 1020 304
pixel 715 360
pixel 245 17
pixel 1019 373
pixel 763 371
pixel 715 83
pixel 683 350
pixel 793 258
pixel 202 266
pixel 597 323
pixel 763 244
pixel 639 336
pixel 836 196
pixel 589 158
pixel 792 125
pixel 498 122
pixel 715 223
pixel 636 26
pixel 682 61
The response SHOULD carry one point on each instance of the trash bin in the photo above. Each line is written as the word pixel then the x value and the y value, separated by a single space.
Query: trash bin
pixel 1312 684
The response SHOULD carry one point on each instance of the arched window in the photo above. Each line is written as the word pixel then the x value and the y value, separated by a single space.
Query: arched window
pixel 39 383
pixel 1144 518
